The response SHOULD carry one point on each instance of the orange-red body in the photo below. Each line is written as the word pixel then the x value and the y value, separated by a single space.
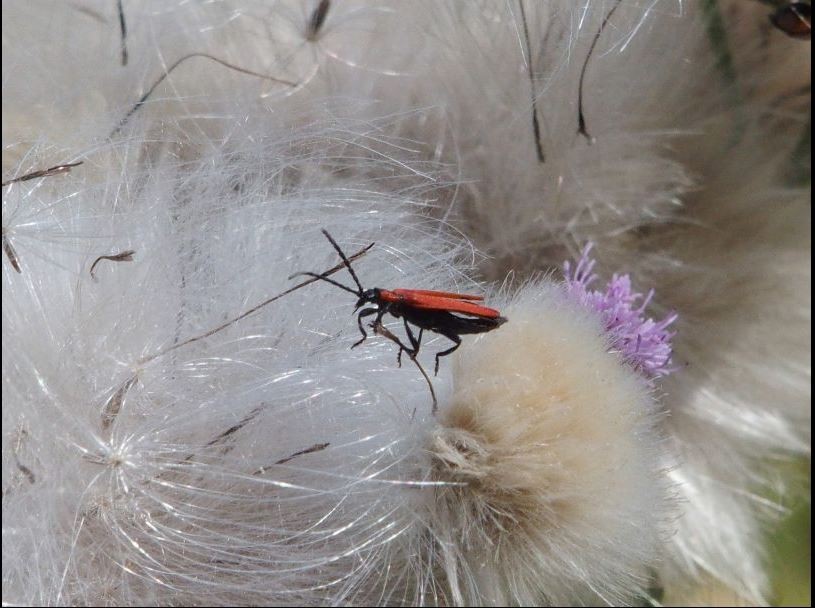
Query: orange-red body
pixel 439 300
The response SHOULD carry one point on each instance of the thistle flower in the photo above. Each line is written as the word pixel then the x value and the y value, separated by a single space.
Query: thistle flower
pixel 644 343
pixel 546 466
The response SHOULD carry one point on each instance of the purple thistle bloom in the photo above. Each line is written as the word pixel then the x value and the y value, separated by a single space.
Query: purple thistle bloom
pixel 644 343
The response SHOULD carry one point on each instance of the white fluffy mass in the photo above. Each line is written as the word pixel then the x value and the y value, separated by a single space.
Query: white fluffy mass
pixel 161 446
pixel 553 439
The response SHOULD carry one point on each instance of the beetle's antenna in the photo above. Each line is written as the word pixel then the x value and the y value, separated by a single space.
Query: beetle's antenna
pixel 327 280
pixel 246 313
pixel 344 259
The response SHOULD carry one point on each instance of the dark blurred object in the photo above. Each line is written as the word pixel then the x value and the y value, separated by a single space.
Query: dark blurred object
pixel 794 19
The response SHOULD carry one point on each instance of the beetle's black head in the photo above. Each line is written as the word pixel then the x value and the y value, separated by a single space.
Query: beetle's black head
pixel 369 296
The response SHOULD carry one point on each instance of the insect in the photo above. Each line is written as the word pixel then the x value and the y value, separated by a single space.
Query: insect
pixel 448 314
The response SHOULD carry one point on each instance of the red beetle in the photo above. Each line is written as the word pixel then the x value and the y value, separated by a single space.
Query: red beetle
pixel 443 312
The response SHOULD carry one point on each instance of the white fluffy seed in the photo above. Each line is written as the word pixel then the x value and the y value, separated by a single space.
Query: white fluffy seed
pixel 552 437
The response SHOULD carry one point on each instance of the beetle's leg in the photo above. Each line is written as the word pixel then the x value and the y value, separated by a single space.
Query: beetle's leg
pixel 413 342
pixel 365 312
pixel 455 338
pixel 377 323
pixel 382 331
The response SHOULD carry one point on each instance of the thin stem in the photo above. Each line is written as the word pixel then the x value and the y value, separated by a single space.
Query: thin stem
pixel 11 254
pixel 167 72
pixel 56 170
pixel 123 29
pixel 315 448
pixel 535 124
pixel 581 118
pixel 124 256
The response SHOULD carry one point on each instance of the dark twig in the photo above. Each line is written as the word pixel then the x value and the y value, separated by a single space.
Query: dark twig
pixel 124 256
pixel 581 118
pixel 123 30
pixel 28 473
pixel 230 431
pixel 10 253
pixel 57 170
pixel 8 249
pixel 114 404
pixel 317 447
pixel 317 19
pixel 235 428
pixel 535 124
pixel 167 72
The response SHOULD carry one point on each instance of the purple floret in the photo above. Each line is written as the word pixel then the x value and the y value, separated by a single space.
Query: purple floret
pixel 645 343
